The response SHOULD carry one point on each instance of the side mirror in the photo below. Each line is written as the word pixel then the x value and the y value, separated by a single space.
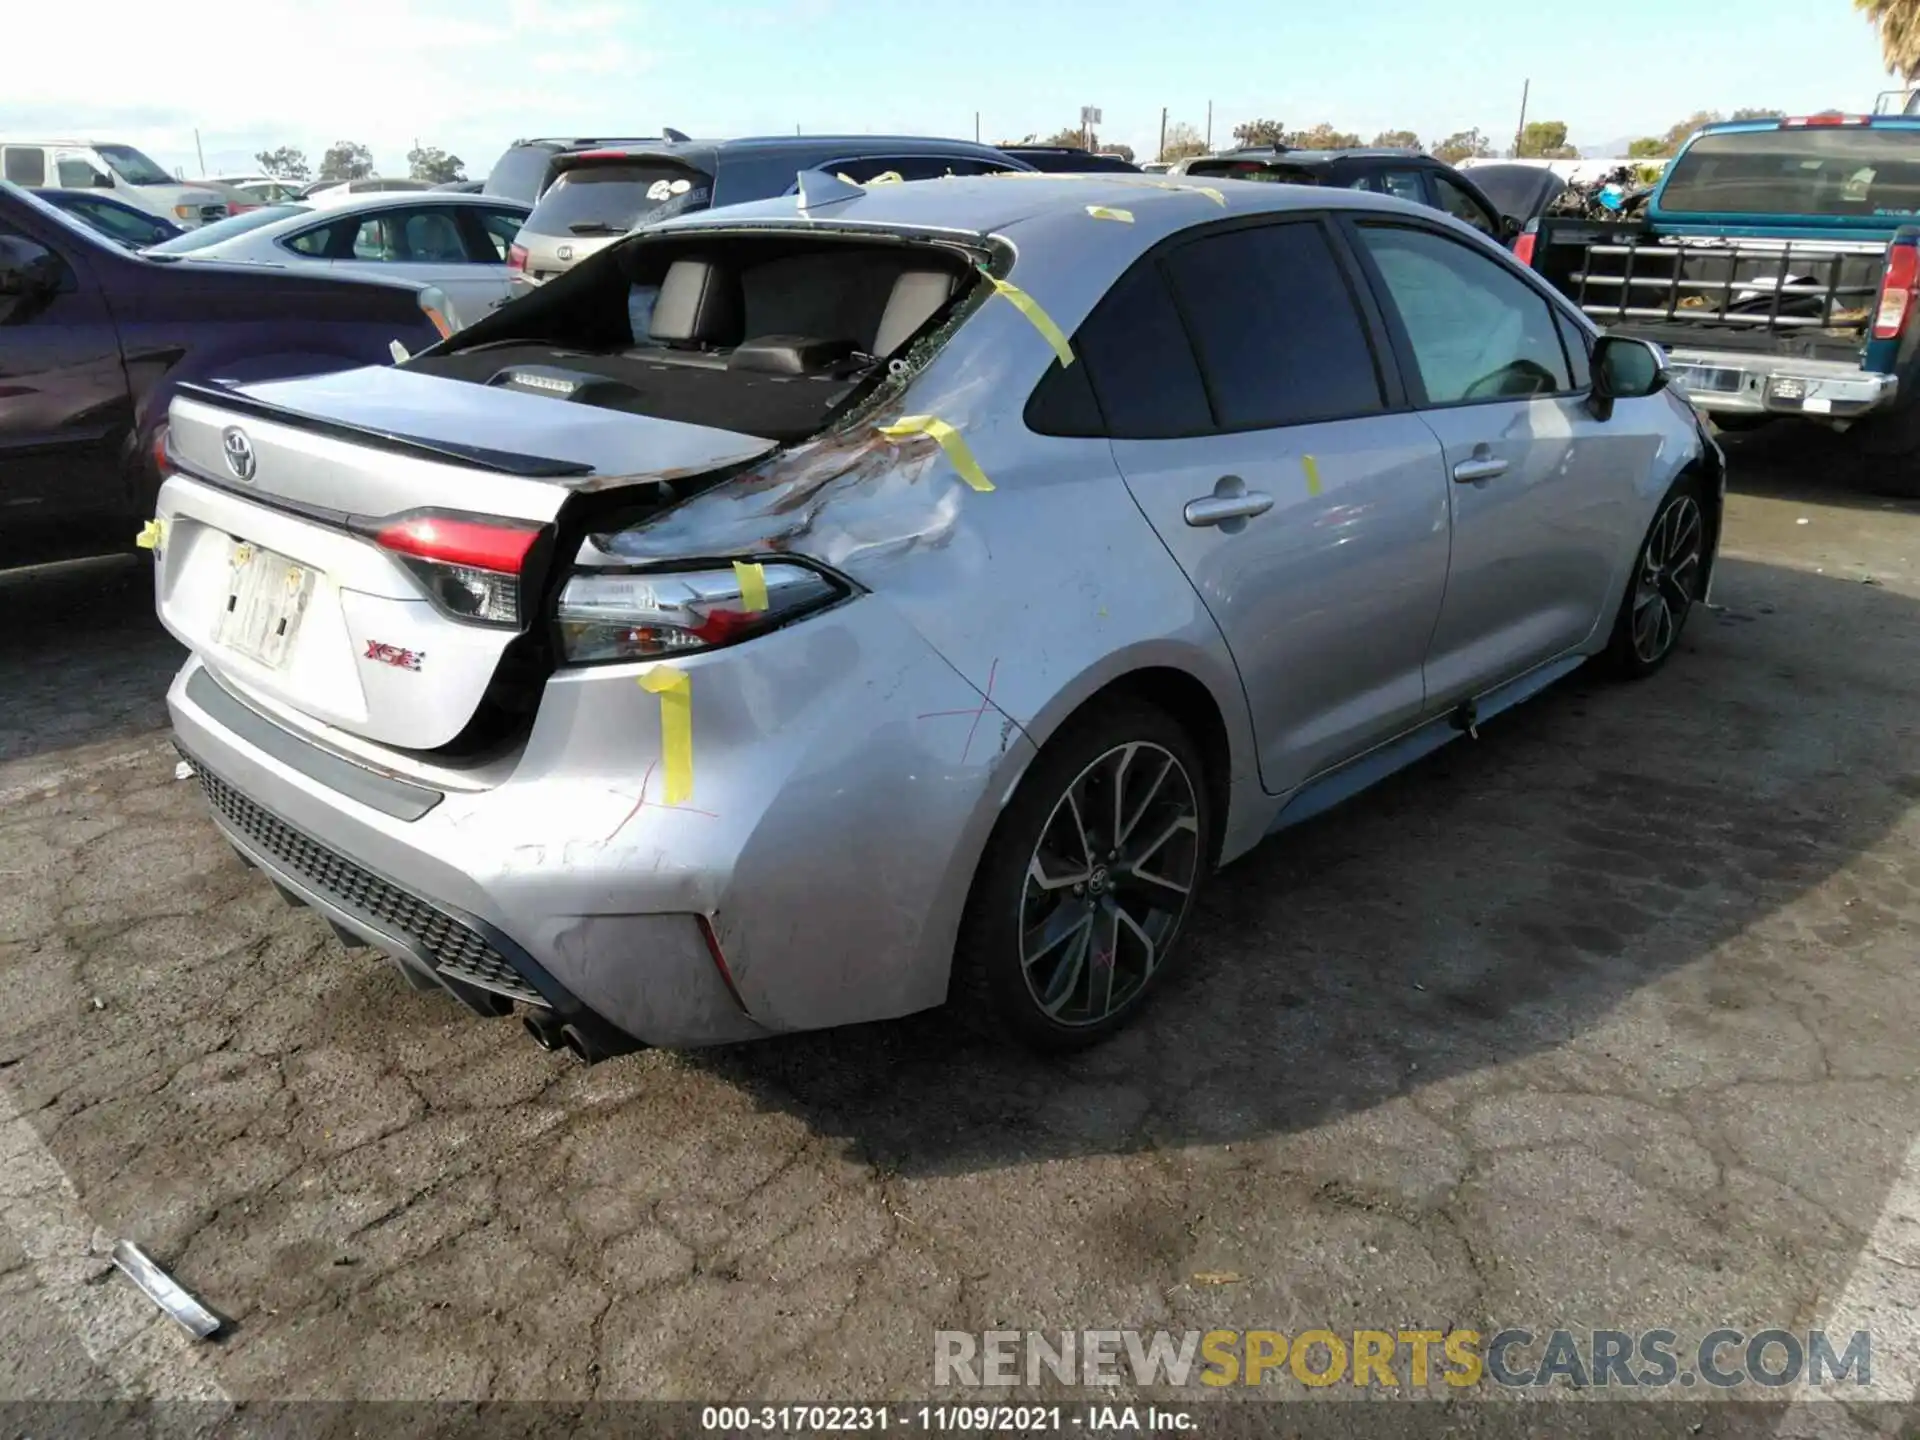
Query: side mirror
pixel 1624 369
pixel 102 180
pixel 28 274
pixel 1510 229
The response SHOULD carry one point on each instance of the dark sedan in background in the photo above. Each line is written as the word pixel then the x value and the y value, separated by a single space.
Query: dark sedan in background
pixel 1403 174
pixel 94 339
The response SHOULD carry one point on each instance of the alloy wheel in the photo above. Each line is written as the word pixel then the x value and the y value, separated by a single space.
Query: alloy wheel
pixel 1108 883
pixel 1668 578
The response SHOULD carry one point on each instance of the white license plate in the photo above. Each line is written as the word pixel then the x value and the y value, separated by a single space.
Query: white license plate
pixel 266 596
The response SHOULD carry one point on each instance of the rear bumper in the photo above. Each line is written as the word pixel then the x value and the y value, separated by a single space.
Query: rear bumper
pixel 1725 382
pixel 841 812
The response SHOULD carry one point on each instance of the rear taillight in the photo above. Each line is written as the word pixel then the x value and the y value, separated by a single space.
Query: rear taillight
pixel 606 617
pixel 470 567
pixel 1896 290
pixel 517 257
pixel 433 304
pixel 160 452
pixel 1523 247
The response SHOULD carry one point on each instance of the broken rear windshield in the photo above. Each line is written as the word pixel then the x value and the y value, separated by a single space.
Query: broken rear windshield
pixel 1826 170
pixel 610 199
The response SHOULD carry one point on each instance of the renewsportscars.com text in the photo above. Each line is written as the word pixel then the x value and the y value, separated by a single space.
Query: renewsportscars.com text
pixel 1457 1359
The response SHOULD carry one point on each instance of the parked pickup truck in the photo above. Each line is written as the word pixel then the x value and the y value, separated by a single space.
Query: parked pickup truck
pixel 1777 264
pixel 94 339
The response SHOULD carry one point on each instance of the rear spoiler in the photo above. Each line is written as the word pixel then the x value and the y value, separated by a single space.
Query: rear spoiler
pixel 500 462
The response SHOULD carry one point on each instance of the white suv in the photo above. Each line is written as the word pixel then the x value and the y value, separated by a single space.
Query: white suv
pixel 130 175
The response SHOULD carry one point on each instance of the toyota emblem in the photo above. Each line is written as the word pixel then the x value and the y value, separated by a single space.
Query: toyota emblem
pixel 239 452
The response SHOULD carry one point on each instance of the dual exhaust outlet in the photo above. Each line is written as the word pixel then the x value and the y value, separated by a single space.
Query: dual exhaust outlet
pixel 552 1033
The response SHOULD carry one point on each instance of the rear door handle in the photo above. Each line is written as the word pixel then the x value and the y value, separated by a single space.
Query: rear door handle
pixel 1231 504
pixel 1480 467
pixel 1218 510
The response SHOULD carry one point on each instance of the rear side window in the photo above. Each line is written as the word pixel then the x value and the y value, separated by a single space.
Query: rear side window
pixel 24 164
pixel 1477 331
pixel 498 229
pixel 611 198
pixel 1142 368
pixel 1279 337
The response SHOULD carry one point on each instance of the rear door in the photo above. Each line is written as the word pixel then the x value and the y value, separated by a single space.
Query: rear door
pixel 65 412
pixel 1541 492
pixel 1267 451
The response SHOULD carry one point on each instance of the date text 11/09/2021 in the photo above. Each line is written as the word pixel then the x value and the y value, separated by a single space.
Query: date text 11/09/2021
pixel 957 1419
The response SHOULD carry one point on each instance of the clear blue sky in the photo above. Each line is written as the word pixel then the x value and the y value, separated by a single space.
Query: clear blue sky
pixel 469 75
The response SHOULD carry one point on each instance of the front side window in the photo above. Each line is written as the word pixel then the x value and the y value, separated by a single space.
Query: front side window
pixel 1462 206
pixel 1279 337
pixel 1477 331
pixel 24 165
pixel 76 174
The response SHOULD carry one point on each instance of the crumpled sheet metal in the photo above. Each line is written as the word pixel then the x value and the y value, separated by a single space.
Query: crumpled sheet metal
pixel 856 494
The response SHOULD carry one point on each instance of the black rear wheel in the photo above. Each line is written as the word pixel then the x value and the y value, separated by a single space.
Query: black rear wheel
pixel 1079 902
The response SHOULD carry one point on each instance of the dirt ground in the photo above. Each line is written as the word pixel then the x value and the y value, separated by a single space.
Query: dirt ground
pixel 1606 1020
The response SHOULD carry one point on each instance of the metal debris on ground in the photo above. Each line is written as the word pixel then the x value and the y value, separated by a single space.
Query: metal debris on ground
pixel 183 771
pixel 1218 1277
pixel 164 1290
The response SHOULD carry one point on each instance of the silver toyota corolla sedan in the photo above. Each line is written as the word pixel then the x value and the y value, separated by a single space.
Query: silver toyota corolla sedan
pixel 809 612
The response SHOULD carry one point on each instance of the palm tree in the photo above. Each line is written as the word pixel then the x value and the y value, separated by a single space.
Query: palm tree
pixel 1898 22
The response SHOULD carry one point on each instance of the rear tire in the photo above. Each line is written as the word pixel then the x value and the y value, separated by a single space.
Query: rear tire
pixel 1668 570
pixel 1887 448
pixel 1077 908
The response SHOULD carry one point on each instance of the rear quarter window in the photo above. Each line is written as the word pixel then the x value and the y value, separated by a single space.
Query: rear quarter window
pixel 24 165
pixel 610 199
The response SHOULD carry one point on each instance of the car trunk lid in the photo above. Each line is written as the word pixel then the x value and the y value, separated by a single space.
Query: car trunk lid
pixel 339 544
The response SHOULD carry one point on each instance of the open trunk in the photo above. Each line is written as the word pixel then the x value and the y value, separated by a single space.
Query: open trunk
pixel 379 550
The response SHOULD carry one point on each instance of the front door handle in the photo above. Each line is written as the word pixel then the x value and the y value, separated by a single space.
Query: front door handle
pixel 1482 465
pixel 1230 506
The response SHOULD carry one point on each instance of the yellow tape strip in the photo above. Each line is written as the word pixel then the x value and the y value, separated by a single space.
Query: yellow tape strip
pixel 753 586
pixel 950 442
pixel 887 177
pixel 675 690
pixel 1043 322
pixel 1103 212
pixel 152 536
pixel 1312 467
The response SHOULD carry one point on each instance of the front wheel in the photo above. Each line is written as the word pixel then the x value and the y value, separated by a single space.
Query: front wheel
pixel 1668 573
pixel 1081 896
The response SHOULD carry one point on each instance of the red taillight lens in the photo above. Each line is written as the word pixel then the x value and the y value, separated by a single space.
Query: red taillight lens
pixel 1523 248
pixel 159 452
pixel 471 567
pixel 483 544
pixel 1896 291
pixel 517 257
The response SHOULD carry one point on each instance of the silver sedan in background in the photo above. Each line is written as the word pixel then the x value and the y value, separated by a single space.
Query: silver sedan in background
pixel 455 242
pixel 916 599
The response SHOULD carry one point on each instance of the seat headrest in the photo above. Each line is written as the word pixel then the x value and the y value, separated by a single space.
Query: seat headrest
pixel 699 304
pixel 917 294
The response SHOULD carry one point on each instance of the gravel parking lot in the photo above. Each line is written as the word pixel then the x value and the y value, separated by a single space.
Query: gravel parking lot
pixel 1605 1020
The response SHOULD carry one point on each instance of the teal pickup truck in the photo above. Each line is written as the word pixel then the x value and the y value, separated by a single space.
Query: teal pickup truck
pixel 1777 264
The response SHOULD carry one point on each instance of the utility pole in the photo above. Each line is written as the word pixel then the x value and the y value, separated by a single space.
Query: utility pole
pixel 1525 86
pixel 1209 125
pixel 976 127
pixel 198 151
pixel 1163 134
